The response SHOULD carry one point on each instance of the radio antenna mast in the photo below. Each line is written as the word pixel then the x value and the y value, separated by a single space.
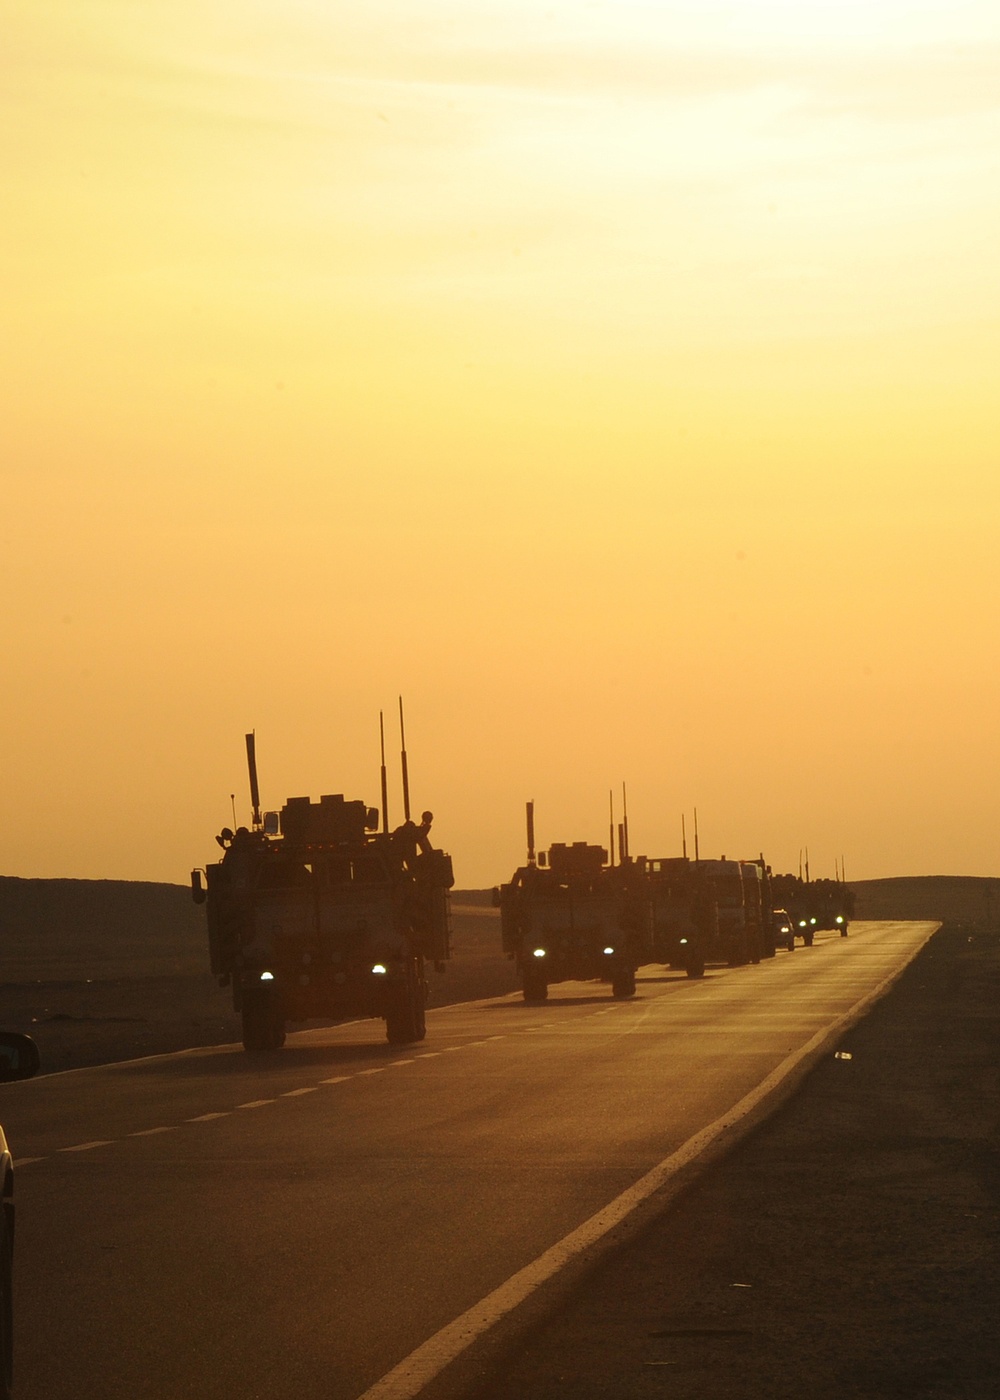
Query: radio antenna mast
pixel 684 838
pixel 406 779
pixel 252 765
pixel 385 785
pixel 611 823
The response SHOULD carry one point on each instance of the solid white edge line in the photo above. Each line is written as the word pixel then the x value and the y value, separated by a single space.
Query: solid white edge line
pixel 417 1370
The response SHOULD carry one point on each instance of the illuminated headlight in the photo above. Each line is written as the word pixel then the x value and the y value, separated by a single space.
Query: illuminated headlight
pixel 609 951
pixel 812 921
pixel 683 942
pixel 785 928
pixel 802 923
pixel 379 968
pixel 267 976
pixel 840 918
pixel 539 952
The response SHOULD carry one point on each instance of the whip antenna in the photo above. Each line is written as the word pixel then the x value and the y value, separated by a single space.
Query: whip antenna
pixel 252 765
pixel 406 778
pixel 385 785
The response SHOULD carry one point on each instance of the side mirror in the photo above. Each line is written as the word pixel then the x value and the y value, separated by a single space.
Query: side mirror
pixel 198 892
pixel 19 1057
pixel 270 823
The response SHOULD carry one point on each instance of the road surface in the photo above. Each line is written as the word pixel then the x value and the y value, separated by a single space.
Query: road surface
pixel 227 1227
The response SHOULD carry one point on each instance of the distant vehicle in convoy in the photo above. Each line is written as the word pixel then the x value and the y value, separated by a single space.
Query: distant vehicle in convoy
pixel 568 914
pixel 784 929
pixel 685 914
pixel 314 913
pixel 18 1060
pixel 734 931
pixel 815 904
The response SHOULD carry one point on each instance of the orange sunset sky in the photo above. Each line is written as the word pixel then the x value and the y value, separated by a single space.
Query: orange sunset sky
pixel 617 381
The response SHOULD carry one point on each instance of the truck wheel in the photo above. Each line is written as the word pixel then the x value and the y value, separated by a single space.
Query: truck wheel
pixel 695 966
pixel 843 931
pixel 535 985
pixel 807 938
pixel 263 1024
pixel 405 1016
pixel 6 1311
pixel 623 982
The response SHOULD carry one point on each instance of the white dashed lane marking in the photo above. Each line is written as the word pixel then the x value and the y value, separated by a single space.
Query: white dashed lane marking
pixel 263 1103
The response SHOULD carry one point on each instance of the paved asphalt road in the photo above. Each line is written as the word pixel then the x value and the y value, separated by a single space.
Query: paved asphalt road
pixel 225 1227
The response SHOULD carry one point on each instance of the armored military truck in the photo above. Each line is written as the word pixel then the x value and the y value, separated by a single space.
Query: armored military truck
pixel 685 914
pixel 314 913
pixel 570 915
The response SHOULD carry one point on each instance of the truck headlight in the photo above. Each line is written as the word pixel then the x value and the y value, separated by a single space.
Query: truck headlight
pixel 539 953
pixel 379 969
pixel 609 951
pixel 267 976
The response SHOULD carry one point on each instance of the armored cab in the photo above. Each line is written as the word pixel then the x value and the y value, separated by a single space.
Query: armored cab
pixel 570 915
pixel 685 914
pixel 313 913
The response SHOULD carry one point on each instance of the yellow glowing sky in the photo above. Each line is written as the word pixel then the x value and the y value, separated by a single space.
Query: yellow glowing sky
pixel 616 380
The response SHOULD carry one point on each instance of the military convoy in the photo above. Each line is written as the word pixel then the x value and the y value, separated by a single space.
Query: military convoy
pixel 315 912
pixel 319 910
pixel 573 913
pixel 814 905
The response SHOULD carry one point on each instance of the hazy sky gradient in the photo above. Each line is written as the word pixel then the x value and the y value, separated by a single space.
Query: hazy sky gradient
pixel 617 381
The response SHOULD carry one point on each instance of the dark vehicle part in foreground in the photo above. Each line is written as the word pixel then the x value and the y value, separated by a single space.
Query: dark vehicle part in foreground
pixel 568 915
pixel 313 913
pixel 18 1060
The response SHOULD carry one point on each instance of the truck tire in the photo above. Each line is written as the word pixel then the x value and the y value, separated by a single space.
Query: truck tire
pixel 843 930
pixel 623 982
pixel 535 984
pixel 695 965
pixel 807 938
pixel 6 1311
pixel 405 1015
pixel 263 1024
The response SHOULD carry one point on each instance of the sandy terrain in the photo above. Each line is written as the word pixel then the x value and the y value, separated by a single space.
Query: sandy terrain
pixel 88 1000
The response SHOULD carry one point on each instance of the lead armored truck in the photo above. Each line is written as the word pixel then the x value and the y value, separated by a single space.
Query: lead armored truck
pixel 315 914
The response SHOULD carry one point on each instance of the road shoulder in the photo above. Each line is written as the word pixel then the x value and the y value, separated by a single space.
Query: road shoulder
pixel 849 1247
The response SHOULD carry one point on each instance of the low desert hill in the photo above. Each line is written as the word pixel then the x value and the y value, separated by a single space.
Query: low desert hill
pixel 964 899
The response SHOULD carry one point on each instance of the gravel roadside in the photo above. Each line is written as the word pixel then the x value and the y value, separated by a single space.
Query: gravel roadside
pixel 847 1248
